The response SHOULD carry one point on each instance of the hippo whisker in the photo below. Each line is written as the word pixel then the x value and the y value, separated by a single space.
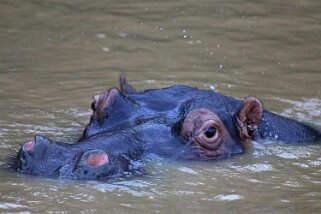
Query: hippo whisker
pixel 12 160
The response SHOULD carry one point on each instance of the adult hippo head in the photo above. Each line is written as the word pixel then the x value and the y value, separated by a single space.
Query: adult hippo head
pixel 179 122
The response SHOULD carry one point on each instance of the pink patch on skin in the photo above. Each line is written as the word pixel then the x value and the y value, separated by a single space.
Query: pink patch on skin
pixel 27 147
pixel 97 159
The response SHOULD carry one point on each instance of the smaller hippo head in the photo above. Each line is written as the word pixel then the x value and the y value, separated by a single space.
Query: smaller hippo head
pixel 96 158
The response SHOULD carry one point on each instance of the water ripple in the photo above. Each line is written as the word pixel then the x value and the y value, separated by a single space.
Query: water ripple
pixel 6 205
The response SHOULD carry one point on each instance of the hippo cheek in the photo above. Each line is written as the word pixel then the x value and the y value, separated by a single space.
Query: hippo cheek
pixel 198 152
pixel 93 172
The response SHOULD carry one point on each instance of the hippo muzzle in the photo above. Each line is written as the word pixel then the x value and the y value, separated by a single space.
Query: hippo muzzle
pixel 77 161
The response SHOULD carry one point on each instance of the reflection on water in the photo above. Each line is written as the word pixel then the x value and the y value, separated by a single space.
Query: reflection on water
pixel 55 55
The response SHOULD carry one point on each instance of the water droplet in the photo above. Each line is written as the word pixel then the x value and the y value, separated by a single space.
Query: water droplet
pixel 101 36
pixel 212 87
pixel 122 34
pixel 105 49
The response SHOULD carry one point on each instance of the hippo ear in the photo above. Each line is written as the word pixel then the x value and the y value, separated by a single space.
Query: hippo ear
pixel 102 101
pixel 94 157
pixel 249 117
pixel 99 103
pixel 124 86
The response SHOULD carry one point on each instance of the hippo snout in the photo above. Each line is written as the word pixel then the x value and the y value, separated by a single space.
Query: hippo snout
pixel 42 156
pixel 31 153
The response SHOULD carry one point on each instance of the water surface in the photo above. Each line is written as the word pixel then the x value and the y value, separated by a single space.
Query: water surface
pixel 55 55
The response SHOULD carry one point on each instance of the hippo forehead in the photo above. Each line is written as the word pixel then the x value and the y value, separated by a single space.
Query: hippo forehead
pixel 168 105
pixel 183 98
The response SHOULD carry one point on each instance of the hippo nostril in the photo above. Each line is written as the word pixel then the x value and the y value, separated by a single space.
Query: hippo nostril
pixel 28 147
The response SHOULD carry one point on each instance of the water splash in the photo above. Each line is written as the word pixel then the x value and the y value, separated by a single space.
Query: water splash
pixel 232 197
pixel 187 170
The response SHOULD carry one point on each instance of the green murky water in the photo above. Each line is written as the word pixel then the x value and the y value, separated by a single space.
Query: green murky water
pixel 54 55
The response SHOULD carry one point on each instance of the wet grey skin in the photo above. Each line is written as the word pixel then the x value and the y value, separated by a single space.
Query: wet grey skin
pixel 47 158
pixel 177 122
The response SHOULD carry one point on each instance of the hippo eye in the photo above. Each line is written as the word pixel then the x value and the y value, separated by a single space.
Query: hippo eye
pixel 206 132
pixel 210 132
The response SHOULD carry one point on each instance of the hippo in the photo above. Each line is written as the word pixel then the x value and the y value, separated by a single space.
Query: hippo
pixel 177 122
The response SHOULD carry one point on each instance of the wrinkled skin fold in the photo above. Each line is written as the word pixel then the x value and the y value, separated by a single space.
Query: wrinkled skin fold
pixel 177 122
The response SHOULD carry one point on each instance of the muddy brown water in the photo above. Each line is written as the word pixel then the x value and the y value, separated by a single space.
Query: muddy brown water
pixel 54 55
